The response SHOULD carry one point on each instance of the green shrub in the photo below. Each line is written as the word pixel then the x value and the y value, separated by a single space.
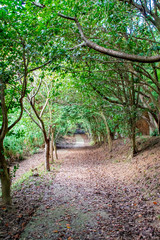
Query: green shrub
pixel 14 147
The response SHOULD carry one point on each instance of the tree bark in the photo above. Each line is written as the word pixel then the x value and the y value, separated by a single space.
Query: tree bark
pixel 47 150
pixel 108 133
pixel 55 149
pixel 51 145
pixel 133 136
pixel 5 177
pixel 4 172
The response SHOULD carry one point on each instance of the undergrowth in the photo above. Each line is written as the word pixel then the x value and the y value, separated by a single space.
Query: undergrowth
pixel 17 147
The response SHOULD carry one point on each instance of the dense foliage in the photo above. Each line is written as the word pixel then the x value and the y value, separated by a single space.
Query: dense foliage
pixel 70 64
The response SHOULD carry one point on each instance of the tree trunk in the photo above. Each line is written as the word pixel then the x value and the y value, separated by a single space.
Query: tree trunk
pixel 108 133
pixel 5 177
pixel 55 149
pixel 51 145
pixel 133 136
pixel 158 122
pixel 47 151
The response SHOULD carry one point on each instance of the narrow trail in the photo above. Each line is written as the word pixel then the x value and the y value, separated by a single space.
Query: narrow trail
pixel 79 141
pixel 88 200
pixel 38 159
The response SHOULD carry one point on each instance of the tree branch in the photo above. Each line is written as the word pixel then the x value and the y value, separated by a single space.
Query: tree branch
pixel 39 5
pixel 23 91
pixel 37 90
pixel 29 114
pixel 44 107
pixel 110 52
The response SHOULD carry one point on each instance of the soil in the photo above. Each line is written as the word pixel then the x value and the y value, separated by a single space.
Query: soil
pixel 89 194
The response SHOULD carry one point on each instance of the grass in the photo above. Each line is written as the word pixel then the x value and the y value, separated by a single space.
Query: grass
pixel 25 178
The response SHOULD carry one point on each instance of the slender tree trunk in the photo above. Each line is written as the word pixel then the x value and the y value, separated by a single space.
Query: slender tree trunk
pixel 5 177
pixel 51 145
pixel 47 151
pixel 134 146
pixel 133 137
pixel 55 149
pixel 108 133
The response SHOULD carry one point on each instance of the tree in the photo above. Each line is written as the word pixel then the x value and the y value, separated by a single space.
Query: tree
pixel 42 94
pixel 23 50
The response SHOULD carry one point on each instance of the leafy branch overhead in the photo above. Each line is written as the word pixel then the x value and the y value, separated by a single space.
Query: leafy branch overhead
pixel 110 52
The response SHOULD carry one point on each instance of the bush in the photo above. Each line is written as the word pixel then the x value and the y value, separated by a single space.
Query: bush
pixel 16 147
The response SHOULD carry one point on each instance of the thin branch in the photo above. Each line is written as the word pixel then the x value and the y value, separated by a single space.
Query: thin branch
pixel 41 121
pixel 41 66
pixel 37 90
pixel 24 87
pixel 29 114
pixel 39 5
pixel 66 17
pixel 44 107
pixel 77 46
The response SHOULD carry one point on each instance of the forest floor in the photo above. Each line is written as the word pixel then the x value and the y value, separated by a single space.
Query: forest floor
pixel 89 194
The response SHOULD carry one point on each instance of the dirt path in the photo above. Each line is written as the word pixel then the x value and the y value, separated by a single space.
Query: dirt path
pixel 88 200
pixel 38 159
pixel 79 141
pixel 92 195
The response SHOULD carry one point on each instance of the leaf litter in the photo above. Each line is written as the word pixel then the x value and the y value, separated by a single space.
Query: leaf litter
pixel 94 195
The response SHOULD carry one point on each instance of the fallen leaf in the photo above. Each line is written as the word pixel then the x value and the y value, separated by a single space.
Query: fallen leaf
pixel 68 226
pixel 55 231
pixel 23 224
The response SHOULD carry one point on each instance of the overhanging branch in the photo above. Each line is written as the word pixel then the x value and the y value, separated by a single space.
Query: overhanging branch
pixel 110 52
